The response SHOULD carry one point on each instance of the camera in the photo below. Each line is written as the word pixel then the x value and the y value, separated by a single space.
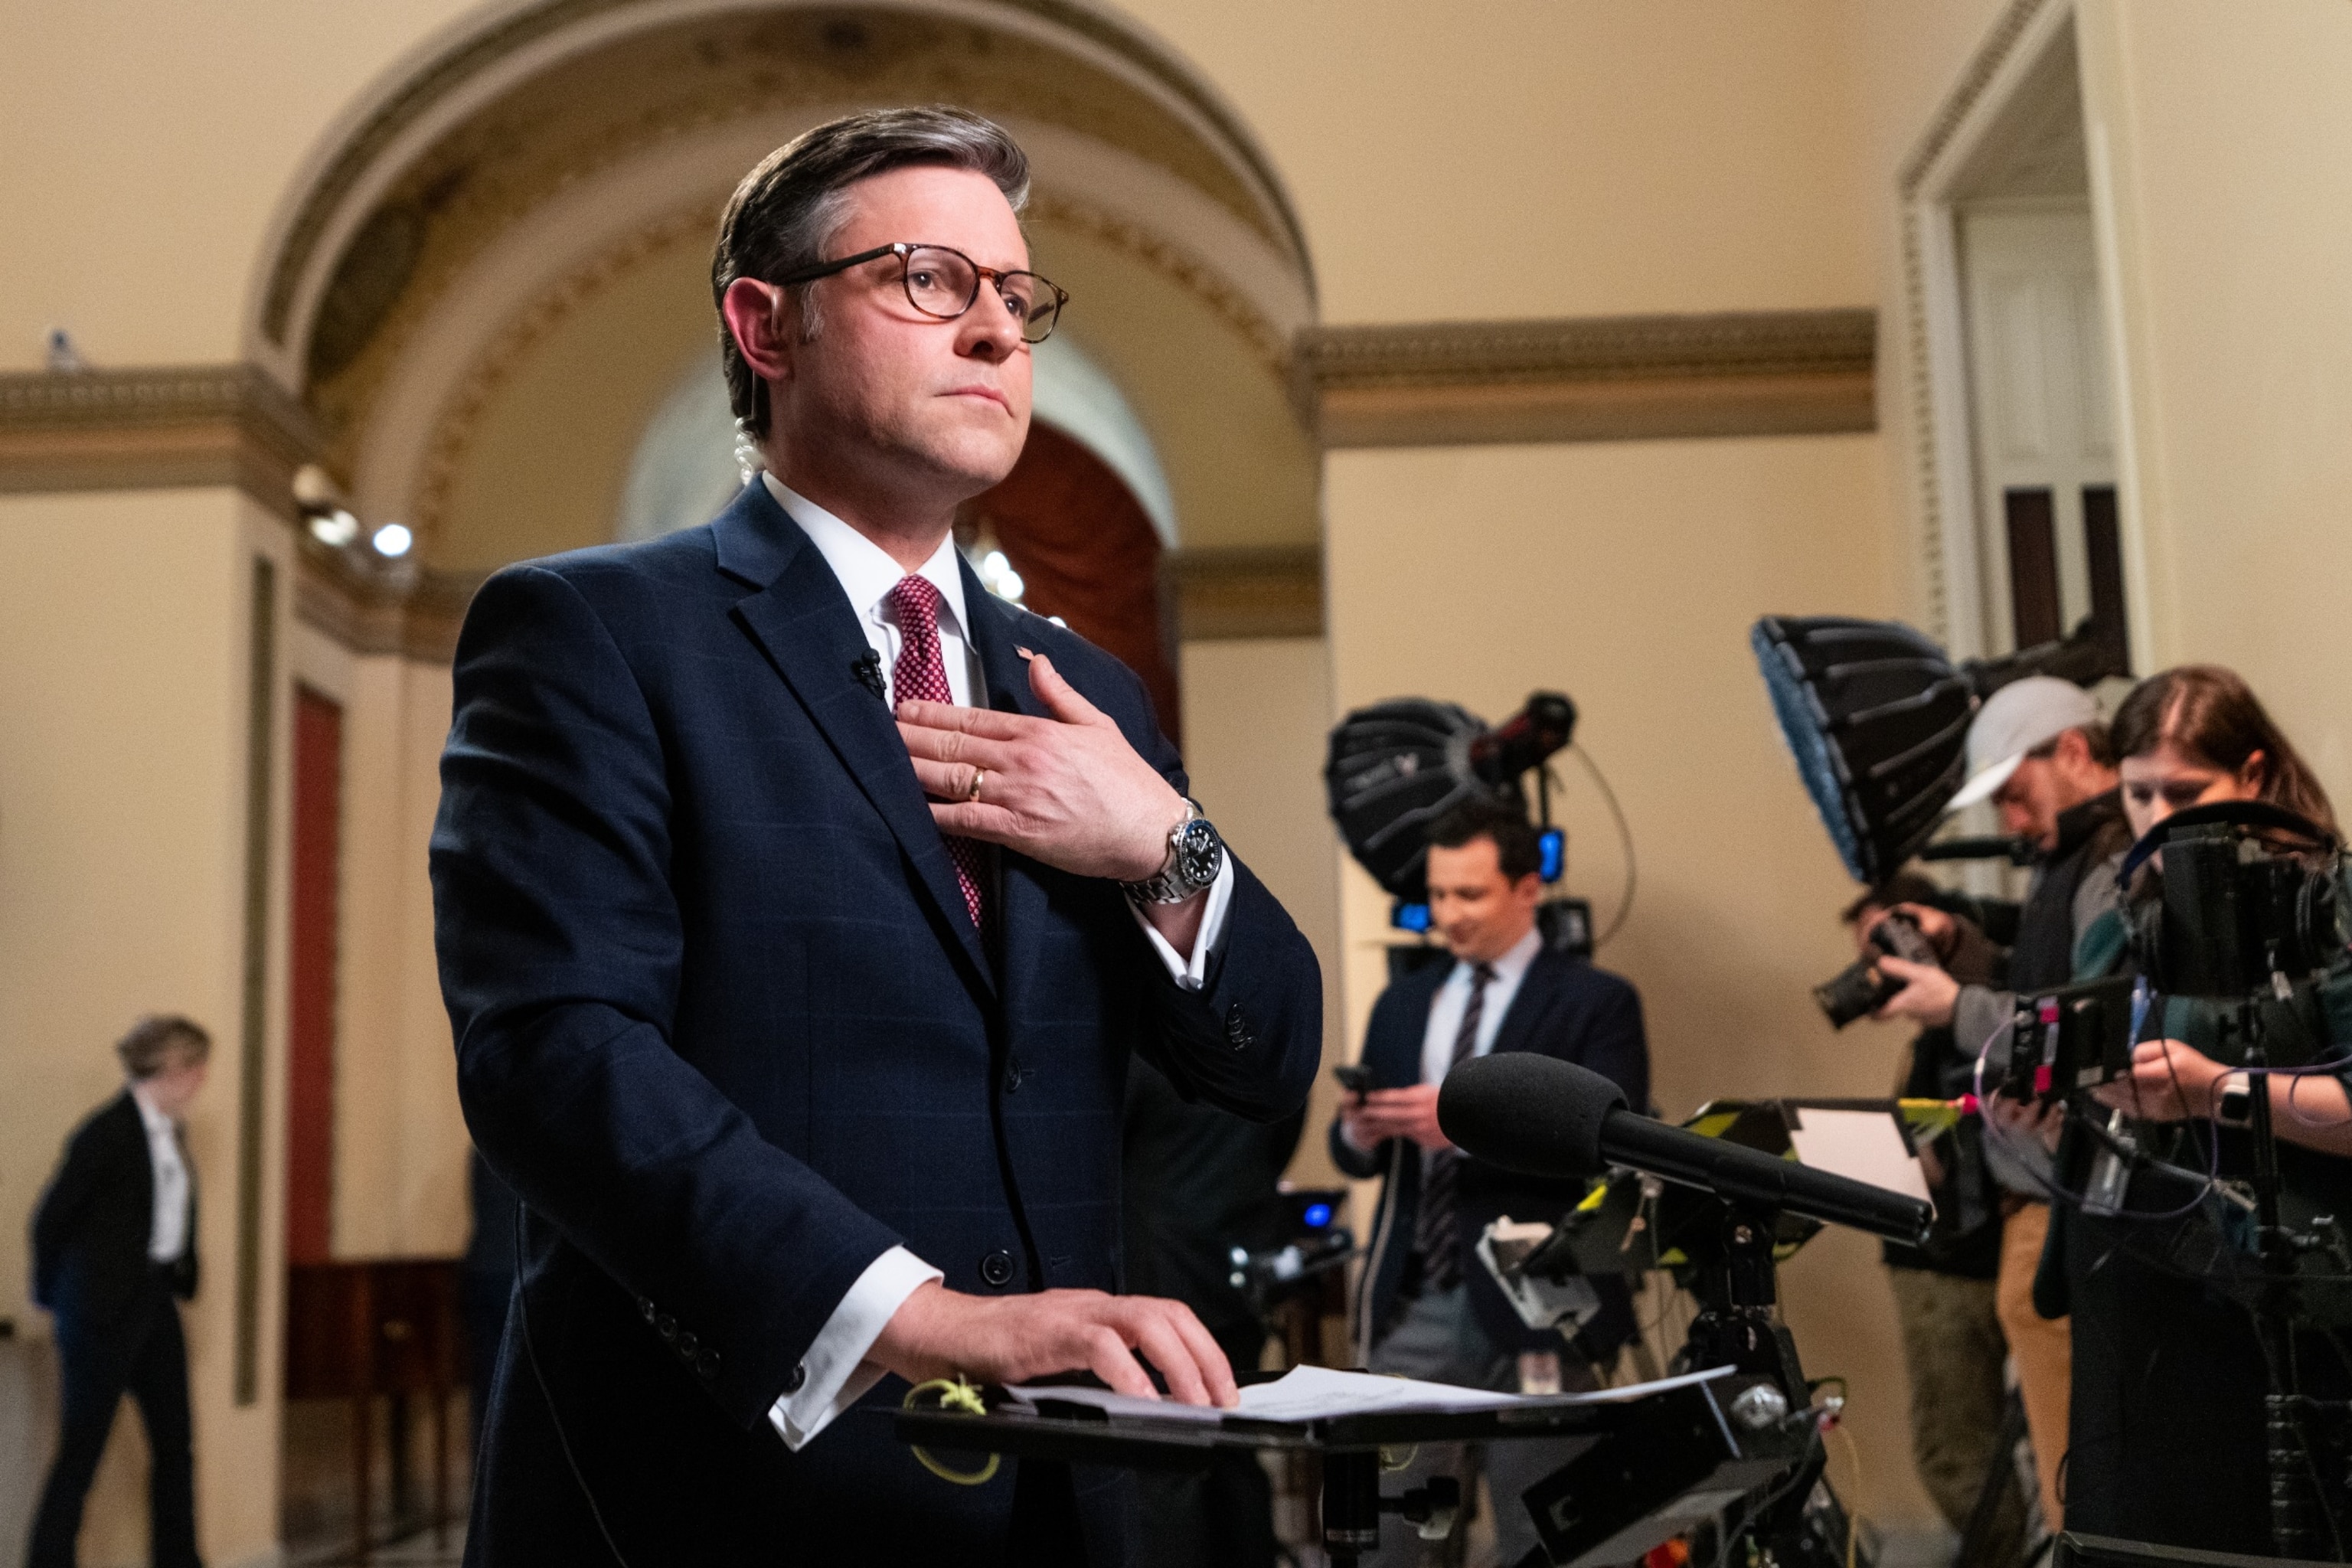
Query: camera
pixel 2237 910
pixel 1860 988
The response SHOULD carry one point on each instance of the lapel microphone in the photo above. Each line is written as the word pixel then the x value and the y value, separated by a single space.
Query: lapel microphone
pixel 866 668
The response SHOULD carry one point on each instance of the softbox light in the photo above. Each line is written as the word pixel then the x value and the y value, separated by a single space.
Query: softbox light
pixel 1877 718
pixel 1396 767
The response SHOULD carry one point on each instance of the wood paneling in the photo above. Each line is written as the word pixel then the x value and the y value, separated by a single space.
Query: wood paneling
pixel 313 921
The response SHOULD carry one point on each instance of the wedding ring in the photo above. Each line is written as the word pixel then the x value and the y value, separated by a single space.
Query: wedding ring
pixel 977 775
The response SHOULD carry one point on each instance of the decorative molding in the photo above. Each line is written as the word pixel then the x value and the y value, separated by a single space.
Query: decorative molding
pixel 1040 57
pixel 454 426
pixel 1187 271
pixel 1975 78
pixel 1260 591
pixel 1987 65
pixel 416 614
pixel 1612 378
pixel 154 429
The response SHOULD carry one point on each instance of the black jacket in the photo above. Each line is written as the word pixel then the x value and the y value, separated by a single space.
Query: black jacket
pixel 92 1229
pixel 724 1024
pixel 1564 1009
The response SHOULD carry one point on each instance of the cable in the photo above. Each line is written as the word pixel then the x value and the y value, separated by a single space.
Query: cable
pixel 554 1416
pixel 1624 841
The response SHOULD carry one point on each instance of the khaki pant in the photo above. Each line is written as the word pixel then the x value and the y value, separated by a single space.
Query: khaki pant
pixel 2043 1349
pixel 1954 1352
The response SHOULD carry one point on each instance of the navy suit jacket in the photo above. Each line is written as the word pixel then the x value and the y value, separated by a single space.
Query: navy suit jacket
pixel 724 1024
pixel 1565 1008
pixel 94 1221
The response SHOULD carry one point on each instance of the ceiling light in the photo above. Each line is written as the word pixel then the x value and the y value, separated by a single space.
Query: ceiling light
pixel 335 528
pixel 393 540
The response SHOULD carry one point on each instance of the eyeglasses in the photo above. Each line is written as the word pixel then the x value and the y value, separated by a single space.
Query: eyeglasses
pixel 943 282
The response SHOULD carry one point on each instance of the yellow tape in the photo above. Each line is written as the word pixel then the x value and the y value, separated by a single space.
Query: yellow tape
pixel 954 1393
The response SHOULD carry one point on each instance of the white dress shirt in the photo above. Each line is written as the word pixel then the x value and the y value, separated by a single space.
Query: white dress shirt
pixel 1453 999
pixel 168 1237
pixel 837 1373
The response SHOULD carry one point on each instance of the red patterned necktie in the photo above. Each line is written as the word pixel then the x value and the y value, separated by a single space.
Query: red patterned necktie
pixel 921 676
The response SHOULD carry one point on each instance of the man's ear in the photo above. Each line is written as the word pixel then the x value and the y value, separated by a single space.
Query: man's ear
pixel 763 320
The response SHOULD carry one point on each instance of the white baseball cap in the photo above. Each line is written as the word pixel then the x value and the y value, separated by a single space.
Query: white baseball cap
pixel 2020 717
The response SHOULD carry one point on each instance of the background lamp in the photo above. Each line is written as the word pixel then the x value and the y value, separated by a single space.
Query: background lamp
pixel 1877 717
pixel 1396 767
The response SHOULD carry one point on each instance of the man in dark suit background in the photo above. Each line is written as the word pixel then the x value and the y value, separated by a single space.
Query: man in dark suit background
pixel 1426 1307
pixel 114 1252
pixel 810 1087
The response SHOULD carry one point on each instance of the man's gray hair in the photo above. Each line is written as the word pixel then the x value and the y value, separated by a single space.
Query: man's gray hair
pixel 789 210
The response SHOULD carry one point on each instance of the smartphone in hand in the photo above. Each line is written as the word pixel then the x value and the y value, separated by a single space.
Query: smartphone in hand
pixel 1355 1079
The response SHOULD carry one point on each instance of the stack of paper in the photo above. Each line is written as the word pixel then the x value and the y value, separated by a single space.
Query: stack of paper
pixel 1322 1394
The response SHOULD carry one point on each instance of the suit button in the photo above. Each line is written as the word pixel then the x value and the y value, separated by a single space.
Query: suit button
pixel 793 1384
pixel 687 1344
pixel 666 1327
pixel 996 1269
pixel 706 1365
pixel 645 1306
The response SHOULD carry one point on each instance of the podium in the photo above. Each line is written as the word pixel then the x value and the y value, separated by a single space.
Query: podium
pixel 1658 1459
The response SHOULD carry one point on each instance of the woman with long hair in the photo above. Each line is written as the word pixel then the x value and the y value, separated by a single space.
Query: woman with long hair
pixel 2166 1427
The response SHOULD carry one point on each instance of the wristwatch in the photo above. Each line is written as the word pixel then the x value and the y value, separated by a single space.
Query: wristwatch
pixel 1195 855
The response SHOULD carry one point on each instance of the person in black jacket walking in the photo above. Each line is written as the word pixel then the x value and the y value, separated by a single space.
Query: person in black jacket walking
pixel 114 1252
pixel 1426 1307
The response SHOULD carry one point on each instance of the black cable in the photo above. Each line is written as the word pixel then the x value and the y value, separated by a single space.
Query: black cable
pixel 1624 842
pixel 554 1416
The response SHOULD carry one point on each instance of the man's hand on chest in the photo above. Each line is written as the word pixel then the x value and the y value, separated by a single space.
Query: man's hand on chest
pixel 1068 791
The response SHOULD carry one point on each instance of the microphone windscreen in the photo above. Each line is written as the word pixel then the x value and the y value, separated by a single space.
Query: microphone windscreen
pixel 1529 1113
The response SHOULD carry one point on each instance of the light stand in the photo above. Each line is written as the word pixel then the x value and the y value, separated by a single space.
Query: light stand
pixel 2295 1511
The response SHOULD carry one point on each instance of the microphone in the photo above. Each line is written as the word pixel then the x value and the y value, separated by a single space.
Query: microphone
pixel 866 668
pixel 1542 1117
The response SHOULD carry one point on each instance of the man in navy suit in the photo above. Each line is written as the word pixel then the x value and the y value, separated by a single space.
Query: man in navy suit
pixel 809 1084
pixel 1425 1306
pixel 114 1254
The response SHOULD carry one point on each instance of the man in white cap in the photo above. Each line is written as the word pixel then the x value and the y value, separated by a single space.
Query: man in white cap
pixel 2039 752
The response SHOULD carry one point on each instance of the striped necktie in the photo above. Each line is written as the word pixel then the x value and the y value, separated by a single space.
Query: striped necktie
pixel 1436 1229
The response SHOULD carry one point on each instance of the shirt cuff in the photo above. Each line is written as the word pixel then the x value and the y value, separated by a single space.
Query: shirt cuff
pixel 1191 974
pixel 837 1373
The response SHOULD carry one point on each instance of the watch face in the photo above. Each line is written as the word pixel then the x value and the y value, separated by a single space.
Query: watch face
pixel 1197 853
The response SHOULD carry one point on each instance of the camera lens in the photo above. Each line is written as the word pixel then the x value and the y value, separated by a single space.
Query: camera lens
pixel 1854 992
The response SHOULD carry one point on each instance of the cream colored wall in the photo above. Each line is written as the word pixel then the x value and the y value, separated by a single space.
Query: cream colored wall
pixel 400 1143
pixel 122 701
pixel 1255 715
pixel 149 148
pixel 1550 157
pixel 1627 576
pixel 1556 157
pixel 2232 202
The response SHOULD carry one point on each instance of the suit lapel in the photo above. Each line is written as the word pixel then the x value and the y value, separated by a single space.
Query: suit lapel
pixel 1529 1006
pixel 802 621
pixel 135 1137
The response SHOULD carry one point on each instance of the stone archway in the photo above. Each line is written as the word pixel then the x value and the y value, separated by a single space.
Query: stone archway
pixel 539 197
